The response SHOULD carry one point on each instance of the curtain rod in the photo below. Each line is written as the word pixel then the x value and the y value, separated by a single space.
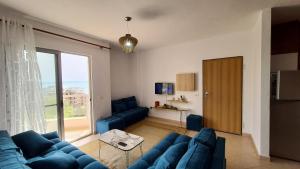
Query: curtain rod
pixel 67 37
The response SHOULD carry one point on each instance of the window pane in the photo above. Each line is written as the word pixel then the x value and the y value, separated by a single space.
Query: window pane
pixel 46 62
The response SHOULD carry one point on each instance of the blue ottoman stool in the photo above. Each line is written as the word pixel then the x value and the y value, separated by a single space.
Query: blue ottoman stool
pixel 112 122
pixel 194 122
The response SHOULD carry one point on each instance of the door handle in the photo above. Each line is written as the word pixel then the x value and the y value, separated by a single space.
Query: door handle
pixel 206 93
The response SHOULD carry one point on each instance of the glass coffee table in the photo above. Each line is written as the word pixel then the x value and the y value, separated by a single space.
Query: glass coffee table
pixel 122 141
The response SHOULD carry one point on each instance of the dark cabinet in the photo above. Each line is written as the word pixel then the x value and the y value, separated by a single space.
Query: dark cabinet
pixel 285 38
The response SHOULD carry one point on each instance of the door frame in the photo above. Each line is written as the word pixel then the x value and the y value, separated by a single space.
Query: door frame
pixel 242 88
pixel 59 90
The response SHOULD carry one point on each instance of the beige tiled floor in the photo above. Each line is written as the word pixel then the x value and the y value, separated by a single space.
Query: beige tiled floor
pixel 240 151
pixel 241 154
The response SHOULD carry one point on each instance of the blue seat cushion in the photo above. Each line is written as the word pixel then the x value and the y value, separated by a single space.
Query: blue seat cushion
pixel 170 158
pixel 112 122
pixel 31 143
pixel 197 157
pixel 206 136
pixel 57 160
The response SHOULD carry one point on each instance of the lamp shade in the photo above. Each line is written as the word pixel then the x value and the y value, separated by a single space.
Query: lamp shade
pixel 128 43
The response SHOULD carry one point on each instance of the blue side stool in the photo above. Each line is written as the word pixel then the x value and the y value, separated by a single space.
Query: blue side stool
pixel 194 122
pixel 106 124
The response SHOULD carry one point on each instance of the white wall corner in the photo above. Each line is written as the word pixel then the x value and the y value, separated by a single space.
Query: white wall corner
pixel 265 82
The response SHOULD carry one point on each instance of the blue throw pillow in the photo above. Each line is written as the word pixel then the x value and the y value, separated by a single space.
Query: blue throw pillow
pixel 131 104
pixel 57 160
pixel 206 136
pixel 197 157
pixel 171 157
pixel 31 143
pixel 120 107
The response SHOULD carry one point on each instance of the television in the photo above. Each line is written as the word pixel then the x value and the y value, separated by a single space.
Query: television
pixel 164 88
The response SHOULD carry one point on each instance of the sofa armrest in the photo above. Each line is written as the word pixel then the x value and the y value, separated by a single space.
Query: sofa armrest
pixel 218 158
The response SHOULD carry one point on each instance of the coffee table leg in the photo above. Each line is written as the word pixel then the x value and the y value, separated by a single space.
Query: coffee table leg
pixel 127 158
pixel 99 150
pixel 141 149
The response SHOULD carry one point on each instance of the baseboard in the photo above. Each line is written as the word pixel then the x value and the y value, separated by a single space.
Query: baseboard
pixel 166 121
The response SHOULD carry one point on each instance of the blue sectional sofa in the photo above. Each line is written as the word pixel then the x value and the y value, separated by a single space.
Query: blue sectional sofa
pixel 204 151
pixel 124 113
pixel 30 150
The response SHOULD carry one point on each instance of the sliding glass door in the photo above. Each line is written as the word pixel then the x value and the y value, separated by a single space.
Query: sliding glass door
pixel 66 86
pixel 76 95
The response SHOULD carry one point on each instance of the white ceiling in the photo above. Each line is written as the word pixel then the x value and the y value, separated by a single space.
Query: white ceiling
pixel 155 22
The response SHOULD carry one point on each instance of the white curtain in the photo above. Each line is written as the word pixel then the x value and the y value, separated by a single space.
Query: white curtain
pixel 21 99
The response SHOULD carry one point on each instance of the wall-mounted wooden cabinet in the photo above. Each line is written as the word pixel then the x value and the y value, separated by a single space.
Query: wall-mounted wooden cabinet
pixel 185 82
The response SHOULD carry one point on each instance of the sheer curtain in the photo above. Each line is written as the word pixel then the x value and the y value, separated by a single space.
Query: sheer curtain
pixel 21 99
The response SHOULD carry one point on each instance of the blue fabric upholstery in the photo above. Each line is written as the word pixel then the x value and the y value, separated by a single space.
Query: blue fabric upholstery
pixel 214 158
pixel 218 158
pixel 198 156
pixel 171 157
pixel 194 122
pixel 57 160
pixel 84 161
pixel 31 143
pixel 6 143
pixel 206 136
pixel 12 159
pixel 120 107
pixel 112 122
pixel 151 158
pixel 125 112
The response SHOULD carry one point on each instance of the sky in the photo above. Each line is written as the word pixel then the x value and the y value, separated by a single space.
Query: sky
pixel 74 67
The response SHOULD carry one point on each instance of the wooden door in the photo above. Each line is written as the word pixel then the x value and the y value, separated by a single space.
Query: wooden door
pixel 222 94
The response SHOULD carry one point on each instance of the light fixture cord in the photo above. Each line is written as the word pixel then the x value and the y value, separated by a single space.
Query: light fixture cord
pixel 127 27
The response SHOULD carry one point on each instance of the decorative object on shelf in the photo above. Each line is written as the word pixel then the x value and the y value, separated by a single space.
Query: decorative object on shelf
pixel 166 106
pixel 157 104
pixel 185 82
pixel 128 42
pixel 181 99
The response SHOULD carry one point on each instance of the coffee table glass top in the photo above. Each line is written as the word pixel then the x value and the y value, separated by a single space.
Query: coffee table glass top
pixel 113 137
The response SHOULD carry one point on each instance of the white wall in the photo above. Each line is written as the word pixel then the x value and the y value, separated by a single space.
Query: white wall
pixel 122 68
pixel 99 58
pixel 162 65
pixel 265 82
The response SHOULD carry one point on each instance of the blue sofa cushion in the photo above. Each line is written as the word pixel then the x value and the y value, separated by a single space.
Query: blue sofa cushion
pixel 120 107
pixel 51 135
pixel 6 143
pixel 31 143
pixel 206 136
pixel 197 157
pixel 57 160
pixel 171 157
pixel 218 158
pixel 131 104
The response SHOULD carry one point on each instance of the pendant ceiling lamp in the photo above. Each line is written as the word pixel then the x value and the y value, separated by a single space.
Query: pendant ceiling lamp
pixel 128 42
